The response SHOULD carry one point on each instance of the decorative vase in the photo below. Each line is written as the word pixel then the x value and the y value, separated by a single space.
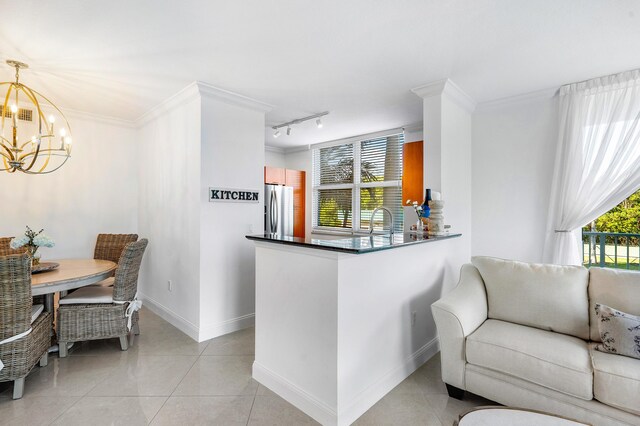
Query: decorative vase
pixel 32 251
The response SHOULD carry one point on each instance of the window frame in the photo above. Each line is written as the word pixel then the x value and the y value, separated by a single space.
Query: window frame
pixel 355 187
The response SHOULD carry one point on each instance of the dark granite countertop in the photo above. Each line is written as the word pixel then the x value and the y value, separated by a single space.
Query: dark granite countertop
pixel 355 244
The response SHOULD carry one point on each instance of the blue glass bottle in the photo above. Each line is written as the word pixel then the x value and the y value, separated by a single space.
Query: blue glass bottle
pixel 426 211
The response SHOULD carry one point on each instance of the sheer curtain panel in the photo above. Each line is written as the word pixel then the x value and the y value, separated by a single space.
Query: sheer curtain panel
pixel 597 159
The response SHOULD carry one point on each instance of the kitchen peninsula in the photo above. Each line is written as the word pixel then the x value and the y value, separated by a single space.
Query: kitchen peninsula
pixel 339 323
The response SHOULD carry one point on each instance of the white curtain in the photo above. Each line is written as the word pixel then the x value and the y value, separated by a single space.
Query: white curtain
pixel 597 159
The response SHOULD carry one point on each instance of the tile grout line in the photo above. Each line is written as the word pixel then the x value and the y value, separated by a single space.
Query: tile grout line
pixel 159 409
pixel 252 403
pixel 65 411
pixel 82 396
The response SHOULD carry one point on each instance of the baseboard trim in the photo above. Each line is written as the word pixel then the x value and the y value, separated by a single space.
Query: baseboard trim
pixel 182 324
pixel 368 397
pixel 310 405
pixel 199 334
pixel 324 413
pixel 226 327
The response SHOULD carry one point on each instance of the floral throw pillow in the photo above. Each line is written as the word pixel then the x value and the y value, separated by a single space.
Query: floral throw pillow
pixel 619 332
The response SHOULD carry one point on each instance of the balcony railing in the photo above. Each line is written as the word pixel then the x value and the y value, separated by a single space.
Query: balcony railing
pixel 611 250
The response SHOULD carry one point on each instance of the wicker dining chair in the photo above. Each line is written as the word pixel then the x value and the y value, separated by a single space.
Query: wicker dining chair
pixel 17 317
pixel 93 313
pixel 109 247
pixel 5 248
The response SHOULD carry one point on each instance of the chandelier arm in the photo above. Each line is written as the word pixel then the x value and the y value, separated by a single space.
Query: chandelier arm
pixel 54 152
pixel 46 162
pixel 34 99
pixel 11 158
pixel 6 165
pixel 6 102
pixel 33 160
pixel 46 173
pixel 53 105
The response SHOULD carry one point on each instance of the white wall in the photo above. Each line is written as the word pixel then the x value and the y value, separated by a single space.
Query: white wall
pixel 232 157
pixel 169 209
pixel 94 192
pixel 447 165
pixel 202 137
pixel 274 158
pixel 456 175
pixel 513 156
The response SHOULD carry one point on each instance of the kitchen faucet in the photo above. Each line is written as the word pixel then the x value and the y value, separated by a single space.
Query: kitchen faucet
pixel 384 209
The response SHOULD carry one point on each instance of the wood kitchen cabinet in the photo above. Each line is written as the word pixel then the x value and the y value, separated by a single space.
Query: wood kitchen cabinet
pixel 412 172
pixel 297 180
pixel 275 175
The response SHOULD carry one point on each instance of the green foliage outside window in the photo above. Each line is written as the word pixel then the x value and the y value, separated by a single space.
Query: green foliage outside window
pixel 623 218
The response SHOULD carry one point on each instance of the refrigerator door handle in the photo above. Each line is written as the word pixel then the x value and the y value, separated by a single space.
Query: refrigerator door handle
pixel 271 204
pixel 275 196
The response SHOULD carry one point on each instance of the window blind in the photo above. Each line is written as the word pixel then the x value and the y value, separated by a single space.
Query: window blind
pixel 351 180
pixel 334 208
pixel 381 166
pixel 333 165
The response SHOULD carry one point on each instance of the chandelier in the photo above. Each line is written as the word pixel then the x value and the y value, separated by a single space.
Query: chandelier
pixel 28 142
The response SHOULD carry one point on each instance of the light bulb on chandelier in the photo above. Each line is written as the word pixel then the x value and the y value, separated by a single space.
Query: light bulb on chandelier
pixel 40 153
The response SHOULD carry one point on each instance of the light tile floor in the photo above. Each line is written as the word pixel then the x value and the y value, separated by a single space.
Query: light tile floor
pixel 166 378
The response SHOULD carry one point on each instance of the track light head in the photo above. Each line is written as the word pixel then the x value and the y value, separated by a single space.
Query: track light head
pixel 276 133
pixel 319 123
pixel 288 131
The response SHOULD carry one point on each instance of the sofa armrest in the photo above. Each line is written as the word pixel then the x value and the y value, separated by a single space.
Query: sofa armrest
pixel 457 315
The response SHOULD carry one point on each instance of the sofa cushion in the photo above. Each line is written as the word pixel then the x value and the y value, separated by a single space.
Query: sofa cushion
pixel 555 361
pixel 612 287
pixel 549 297
pixel 616 380
pixel 619 332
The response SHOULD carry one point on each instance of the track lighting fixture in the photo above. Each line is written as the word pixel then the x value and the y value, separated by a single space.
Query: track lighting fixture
pixel 288 125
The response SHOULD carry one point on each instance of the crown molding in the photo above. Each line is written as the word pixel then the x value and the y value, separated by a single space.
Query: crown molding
pixel 295 149
pixel 276 149
pixel 448 88
pixel 518 99
pixel 199 89
pixel 189 93
pixel 207 90
pixel 413 127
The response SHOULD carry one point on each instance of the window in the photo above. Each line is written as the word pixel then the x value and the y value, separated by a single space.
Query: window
pixel 352 179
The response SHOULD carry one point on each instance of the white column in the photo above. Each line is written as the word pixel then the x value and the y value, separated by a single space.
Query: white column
pixel 447 113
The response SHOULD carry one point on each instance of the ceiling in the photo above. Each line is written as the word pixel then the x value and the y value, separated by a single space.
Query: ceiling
pixel 357 59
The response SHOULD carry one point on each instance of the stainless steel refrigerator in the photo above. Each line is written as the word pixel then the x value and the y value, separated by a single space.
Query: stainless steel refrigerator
pixel 278 210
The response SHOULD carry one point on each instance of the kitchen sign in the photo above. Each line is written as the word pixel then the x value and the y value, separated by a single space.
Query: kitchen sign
pixel 228 195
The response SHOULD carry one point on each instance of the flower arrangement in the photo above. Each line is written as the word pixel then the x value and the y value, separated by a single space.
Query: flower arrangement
pixel 416 207
pixel 32 241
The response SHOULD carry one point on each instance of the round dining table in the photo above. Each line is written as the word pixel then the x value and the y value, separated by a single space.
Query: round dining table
pixel 70 274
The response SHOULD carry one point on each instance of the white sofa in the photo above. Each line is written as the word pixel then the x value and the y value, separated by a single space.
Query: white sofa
pixel 524 334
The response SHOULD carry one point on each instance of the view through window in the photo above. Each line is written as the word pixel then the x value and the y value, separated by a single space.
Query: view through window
pixel 613 239
pixel 351 180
